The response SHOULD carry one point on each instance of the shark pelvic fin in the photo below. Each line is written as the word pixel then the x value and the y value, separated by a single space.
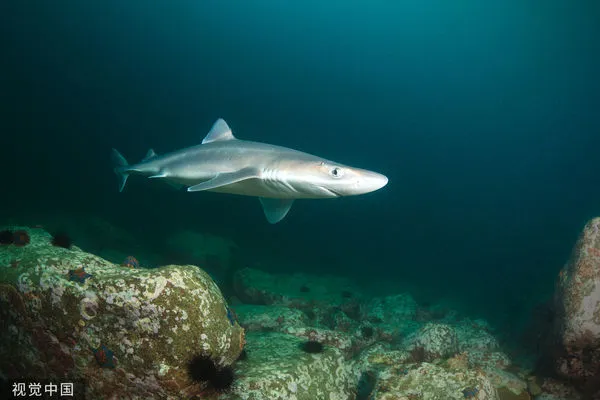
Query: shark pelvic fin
pixel 150 154
pixel 225 179
pixel 275 209
pixel 220 131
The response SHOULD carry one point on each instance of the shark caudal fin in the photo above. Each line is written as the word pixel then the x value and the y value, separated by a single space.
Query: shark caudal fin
pixel 120 165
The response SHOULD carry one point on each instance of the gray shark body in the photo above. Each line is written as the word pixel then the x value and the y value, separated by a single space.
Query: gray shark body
pixel 277 175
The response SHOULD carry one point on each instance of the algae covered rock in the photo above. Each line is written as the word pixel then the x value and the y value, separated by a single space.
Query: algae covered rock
pixel 391 309
pixel 122 331
pixel 394 316
pixel 577 300
pixel 340 340
pixel 431 382
pixel 508 383
pixel 277 369
pixel 436 341
pixel 475 335
pixel 295 290
pixel 270 318
pixel 382 355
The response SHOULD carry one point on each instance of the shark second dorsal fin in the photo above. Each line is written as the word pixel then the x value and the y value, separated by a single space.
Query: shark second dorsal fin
pixel 150 154
pixel 220 131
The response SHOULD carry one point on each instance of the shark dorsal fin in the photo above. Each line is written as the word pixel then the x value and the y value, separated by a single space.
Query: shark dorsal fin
pixel 150 154
pixel 220 131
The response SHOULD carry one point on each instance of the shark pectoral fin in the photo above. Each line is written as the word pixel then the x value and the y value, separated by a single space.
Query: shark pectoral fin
pixel 225 179
pixel 276 209
pixel 157 176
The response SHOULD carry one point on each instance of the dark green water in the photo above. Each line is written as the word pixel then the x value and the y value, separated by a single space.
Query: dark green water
pixel 484 116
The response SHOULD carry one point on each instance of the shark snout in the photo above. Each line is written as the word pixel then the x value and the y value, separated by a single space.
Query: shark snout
pixel 365 182
pixel 372 181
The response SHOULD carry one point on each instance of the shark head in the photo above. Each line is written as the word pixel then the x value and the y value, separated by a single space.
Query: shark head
pixel 325 179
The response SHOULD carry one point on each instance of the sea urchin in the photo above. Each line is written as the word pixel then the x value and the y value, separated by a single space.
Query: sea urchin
pixel 21 238
pixel 61 239
pixel 203 369
pixel 312 346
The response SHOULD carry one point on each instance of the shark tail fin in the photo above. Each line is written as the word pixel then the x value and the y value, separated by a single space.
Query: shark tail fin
pixel 120 166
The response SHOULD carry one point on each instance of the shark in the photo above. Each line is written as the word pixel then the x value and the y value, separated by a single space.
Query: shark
pixel 276 175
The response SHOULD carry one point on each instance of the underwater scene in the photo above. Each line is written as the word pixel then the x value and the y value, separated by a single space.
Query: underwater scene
pixel 300 200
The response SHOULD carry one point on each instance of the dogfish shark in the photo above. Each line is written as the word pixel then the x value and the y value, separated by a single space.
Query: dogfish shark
pixel 276 175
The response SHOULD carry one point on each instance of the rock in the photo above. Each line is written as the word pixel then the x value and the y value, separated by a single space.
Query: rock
pixel 127 332
pixel 508 383
pixel 393 316
pixel 341 322
pixel 555 390
pixel 340 340
pixel 270 318
pixel 533 386
pixel 391 309
pixel 400 377
pixel 320 297
pixel 488 359
pixel 365 335
pixel 432 382
pixel 436 341
pixel 381 355
pixel 277 369
pixel 458 362
pixel 475 335
pixel 577 301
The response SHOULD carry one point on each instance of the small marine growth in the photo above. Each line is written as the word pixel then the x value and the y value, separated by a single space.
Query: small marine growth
pixel 312 347
pixel 203 369
pixel 61 239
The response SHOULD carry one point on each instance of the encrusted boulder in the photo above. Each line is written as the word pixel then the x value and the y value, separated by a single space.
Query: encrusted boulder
pixel 277 369
pixel 340 340
pixel 480 346
pixel 488 359
pixel 577 301
pixel 393 316
pixel 391 309
pixel 435 341
pixel 399 376
pixel 552 389
pixel 320 297
pixel 125 332
pixel 270 318
pixel 382 355
pixel 508 384
pixel 475 335
pixel 431 382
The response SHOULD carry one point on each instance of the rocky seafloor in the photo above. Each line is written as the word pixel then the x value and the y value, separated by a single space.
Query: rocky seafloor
pixel 125 332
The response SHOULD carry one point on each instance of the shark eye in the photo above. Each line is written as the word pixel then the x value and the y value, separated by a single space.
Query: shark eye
pixel 336 172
